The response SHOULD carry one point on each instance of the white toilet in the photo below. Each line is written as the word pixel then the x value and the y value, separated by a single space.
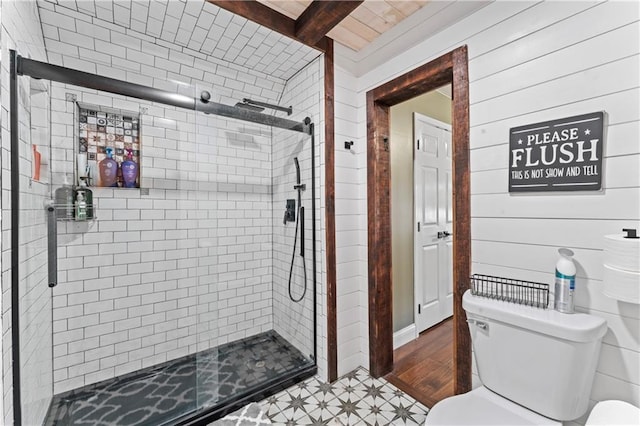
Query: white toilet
pixel 536 366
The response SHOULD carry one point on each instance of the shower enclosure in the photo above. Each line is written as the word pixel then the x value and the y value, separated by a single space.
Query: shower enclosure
pixel 166 294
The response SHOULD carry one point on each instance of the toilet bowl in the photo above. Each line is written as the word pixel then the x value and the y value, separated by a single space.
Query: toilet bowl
pixel 536 366
pixel 607 413
pixel 483 407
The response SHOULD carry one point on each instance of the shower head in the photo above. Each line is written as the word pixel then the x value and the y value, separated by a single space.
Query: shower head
pixel 295 160
pixel 263 105
pixel 249 107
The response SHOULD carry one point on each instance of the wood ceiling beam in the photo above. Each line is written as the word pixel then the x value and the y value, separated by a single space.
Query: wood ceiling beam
pixel 320 17
pixel 267 17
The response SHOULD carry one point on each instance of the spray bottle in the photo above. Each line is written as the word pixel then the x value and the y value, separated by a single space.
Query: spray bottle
pixel 565 282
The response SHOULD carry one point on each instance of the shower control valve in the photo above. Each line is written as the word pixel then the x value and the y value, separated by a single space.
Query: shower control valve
pixel 290 211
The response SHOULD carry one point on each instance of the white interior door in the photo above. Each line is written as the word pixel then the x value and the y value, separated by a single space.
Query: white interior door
pixel 433 242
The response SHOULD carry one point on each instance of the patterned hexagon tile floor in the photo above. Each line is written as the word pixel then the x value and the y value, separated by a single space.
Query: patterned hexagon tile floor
pixel 354 399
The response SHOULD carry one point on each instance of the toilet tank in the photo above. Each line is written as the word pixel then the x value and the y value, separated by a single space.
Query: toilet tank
pixel 542 359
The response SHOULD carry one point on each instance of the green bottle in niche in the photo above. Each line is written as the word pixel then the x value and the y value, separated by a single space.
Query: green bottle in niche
pixel 81 206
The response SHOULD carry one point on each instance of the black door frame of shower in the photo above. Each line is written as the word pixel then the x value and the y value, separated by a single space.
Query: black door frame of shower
pixel 20 66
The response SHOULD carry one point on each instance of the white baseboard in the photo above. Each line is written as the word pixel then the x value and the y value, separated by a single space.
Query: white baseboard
pixel 404 336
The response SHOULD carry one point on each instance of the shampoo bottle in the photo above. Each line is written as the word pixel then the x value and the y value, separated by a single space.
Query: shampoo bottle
pixel 129 170
pixel 108 169
pixel 565 282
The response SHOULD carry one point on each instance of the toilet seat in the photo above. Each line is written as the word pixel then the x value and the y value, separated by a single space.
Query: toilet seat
pixel 614 413
pixel 483 407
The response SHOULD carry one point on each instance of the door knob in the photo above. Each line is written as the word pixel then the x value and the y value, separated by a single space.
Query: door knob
pixel 443 234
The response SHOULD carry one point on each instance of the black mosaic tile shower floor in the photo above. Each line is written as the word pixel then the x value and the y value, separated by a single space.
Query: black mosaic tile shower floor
pixel 159 394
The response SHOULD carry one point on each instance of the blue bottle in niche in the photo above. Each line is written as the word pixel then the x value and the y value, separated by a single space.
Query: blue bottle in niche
pixel 129 170
pixel 108 169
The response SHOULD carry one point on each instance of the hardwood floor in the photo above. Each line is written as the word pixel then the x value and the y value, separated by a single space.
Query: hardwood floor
pixel 423 368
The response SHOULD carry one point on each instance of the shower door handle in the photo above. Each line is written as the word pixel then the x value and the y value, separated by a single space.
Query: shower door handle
pixel 301 219
pixel 52 243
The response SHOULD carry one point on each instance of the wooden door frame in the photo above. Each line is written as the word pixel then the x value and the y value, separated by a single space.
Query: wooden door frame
pixel 451 68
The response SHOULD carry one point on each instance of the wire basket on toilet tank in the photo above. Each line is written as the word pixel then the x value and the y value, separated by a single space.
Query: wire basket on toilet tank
pixel 527 293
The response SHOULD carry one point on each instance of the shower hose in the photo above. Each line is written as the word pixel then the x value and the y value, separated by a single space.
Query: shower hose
pixel 299 220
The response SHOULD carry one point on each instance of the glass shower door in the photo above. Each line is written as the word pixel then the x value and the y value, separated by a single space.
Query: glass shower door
pixel 34 315
pixel 113 317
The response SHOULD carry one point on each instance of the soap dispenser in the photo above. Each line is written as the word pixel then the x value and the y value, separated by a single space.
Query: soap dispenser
pixel 81 206
pixel 108 169
pixel 87 195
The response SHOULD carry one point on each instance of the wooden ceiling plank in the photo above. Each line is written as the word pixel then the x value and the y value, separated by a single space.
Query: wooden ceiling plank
pixel 320 17
pixel 267 17
pixel 370 19
pixel 356 27
pixel 384 11
pixel 348 38
pixel 406 7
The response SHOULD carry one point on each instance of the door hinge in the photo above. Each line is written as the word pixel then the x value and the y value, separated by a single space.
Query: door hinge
pixel 418 226
pixel 419 308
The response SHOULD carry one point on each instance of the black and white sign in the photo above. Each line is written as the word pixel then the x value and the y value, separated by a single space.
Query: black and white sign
pixel 558 155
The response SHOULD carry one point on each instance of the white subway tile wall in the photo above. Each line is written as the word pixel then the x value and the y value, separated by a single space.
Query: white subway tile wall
pixel 295 320
pixel 196 34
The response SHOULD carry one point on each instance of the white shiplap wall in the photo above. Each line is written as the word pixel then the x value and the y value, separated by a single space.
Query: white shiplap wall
pixel 530 62
pixel 351 226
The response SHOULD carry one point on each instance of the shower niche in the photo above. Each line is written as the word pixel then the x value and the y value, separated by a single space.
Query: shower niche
pixel 108 147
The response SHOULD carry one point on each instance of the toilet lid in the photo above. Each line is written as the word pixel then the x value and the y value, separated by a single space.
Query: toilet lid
pixel 483 407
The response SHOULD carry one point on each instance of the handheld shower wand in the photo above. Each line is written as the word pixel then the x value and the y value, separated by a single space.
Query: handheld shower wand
pixel 299 187
pixel 295 161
